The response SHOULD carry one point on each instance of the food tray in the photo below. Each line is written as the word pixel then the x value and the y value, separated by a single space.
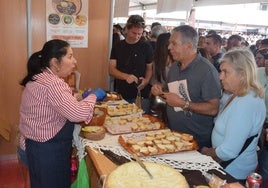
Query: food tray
pixel 157 142
pixel 132 123
pixel 113 96
pixel 123 109
pixel 115 103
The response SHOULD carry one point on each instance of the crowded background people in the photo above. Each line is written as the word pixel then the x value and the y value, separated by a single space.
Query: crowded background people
pixel 233 41
pixel 131 63
pixel 258 43
pixel 259 57
pixel 47 112
pixel 193 85
pixel 213 48
pixel 264 43
pixel 223 44
pixel 119 30
pixel 201 46
pixel 155 24
pixel 155 32
pixel 242 115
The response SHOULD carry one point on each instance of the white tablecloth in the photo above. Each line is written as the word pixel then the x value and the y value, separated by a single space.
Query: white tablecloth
pixel 191 160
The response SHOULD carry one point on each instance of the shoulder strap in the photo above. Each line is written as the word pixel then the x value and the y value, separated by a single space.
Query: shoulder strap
pixel 224 164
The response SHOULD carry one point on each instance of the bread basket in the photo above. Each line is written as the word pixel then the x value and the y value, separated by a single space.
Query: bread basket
pixel 93 132
pixel 98 117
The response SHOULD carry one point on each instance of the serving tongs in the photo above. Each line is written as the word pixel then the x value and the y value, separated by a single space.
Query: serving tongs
pixel 142 165
pixel 138 98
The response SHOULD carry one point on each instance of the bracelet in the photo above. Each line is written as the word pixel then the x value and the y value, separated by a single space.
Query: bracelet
pixel 187 105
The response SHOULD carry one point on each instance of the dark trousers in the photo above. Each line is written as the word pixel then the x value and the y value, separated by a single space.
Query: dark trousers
pixel 49 162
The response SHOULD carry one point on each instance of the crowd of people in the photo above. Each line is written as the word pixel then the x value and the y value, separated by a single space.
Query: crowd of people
pixel 214 88
pixel 215 92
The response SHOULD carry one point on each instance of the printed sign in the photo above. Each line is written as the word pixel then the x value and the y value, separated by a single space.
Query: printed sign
pixel 68 20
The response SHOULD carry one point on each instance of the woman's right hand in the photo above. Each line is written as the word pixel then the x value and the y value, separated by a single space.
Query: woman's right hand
pixel 156 90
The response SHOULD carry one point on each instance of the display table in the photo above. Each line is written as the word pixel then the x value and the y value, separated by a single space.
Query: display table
pixel 191 163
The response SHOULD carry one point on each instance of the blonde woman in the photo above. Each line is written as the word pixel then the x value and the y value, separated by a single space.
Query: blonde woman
pixel 241 118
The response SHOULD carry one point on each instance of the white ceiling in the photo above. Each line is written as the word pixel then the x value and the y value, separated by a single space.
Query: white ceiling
pixel 217 15
pixel 196 3
pixel 136 3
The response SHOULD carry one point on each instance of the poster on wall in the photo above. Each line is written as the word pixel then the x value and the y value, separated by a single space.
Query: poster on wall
pixel 68 20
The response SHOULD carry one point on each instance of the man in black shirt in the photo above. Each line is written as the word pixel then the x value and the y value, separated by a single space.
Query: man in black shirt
pixel 212 46
pixel 131 63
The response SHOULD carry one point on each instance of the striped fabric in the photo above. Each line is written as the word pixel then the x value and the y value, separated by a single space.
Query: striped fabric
pixel 46 105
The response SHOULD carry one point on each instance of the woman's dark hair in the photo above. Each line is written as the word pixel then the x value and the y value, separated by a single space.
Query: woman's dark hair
pixel 40 60
pixel 161 54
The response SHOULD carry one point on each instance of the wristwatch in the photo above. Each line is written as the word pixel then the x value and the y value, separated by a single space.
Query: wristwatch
pixel 186 106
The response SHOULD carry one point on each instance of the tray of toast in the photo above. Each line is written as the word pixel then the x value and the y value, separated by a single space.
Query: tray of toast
pixel 157 142
pixel 132 123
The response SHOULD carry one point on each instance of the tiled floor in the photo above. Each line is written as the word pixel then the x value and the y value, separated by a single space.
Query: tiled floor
pixel 12 173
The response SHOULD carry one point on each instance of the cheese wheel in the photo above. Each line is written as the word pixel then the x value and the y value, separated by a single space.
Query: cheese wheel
pixel 132 175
